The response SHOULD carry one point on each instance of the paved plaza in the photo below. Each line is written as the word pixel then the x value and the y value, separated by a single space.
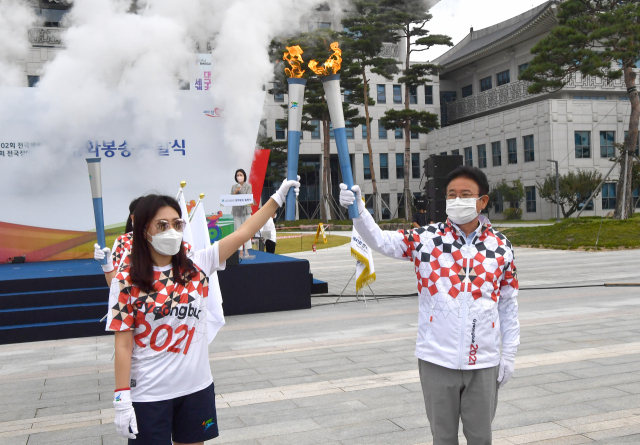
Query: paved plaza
pixel 346 374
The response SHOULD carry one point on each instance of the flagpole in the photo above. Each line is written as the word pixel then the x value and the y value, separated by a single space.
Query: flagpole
pixel 95 179
pixel 182 184
pixel 193 212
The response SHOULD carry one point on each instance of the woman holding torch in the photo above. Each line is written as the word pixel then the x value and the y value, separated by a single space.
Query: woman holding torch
pixel 158 311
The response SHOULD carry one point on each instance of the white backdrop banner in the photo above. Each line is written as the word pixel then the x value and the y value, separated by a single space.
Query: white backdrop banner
pixel 48 187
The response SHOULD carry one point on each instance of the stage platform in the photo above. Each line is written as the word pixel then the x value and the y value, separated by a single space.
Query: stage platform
pixel 66 299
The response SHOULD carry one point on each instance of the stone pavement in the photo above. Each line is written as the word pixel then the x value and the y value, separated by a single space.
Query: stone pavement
pixel 346 374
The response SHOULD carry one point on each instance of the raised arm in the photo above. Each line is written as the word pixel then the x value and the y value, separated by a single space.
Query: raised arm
pixel 387 242
pixel 229 244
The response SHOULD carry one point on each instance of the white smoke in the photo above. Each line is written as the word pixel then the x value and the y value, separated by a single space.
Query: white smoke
pixel 119 72
pixel 15 21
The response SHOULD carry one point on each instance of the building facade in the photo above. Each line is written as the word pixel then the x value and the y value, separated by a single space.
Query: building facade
pixel 488 116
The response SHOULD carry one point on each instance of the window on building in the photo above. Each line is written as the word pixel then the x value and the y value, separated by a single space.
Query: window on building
pixel 278 97
pixel 468 157
pixel 455 152
pixel 528 148
pixel 384 166
pixel 397 94
pixel 498 205
pixel 399 134
pixel 415 165
pixel 583 200
pixel 583 144
pixel 445 98
pixel 428 94
pixel 503 78
pixel 467 91
pixel 349 130
pixel 324 25
pixel 608 196
pixel 443 153
pixel 607 139
pixel 382 132
pixel 482 156
pixel 414 134
pixel 347 96
pixel 386 198
pixel 315 133
pixel 331 135
pixel 636 198
pixel 364 132
pixel 382 95
pixel 366 166
pixel 399 166
pixel 512 151
pixel 281 129
pixel 626 135
pixel 521 68
pixel 485 84
pixel 368 202
pixel 590 97
pixel 496 153
pixel 413 94
pixel 530 192
pixel 33 80
pixel 400 205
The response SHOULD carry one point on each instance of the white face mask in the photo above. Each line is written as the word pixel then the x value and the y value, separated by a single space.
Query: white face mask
pixel 462 210
pixel 240 179
pixel 167 242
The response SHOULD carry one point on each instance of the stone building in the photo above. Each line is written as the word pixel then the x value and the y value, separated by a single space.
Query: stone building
pixel 488 117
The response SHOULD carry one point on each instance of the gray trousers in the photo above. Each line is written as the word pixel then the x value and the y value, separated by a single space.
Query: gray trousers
pixel 451 394
pixel 237 222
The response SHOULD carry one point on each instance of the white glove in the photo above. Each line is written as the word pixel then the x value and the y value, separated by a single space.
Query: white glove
pixel 99 255
pixel 347 197
pixel 125 415
pixel 281 195
pixel 507 362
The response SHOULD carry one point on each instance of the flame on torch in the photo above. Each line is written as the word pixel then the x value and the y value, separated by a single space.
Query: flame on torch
pixel 293 56
pixel 332 65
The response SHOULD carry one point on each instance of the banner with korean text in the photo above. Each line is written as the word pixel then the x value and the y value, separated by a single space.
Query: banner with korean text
pixel 46 206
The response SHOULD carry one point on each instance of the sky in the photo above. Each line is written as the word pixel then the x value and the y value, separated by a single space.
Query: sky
pixel 455 17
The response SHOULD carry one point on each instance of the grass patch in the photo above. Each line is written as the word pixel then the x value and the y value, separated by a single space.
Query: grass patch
pixel 579 234
pixel 292 245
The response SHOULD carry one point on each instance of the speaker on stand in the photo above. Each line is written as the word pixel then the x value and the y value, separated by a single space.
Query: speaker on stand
pixel 437 168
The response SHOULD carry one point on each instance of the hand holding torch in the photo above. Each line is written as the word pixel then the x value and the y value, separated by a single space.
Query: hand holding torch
pixel 331 84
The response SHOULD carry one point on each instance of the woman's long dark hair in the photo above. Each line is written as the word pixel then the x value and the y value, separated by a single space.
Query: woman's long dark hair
pixel 132 208
pixel 141 263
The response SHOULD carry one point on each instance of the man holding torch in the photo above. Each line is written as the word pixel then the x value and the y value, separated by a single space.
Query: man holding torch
pixel 467 288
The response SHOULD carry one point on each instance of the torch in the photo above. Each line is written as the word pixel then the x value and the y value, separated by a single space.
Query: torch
pixel 331 83
pixel 296 99
pixel 96 193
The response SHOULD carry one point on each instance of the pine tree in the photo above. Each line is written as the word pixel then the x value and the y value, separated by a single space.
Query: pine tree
pixel 596 38
pixel 316 46
pixel 411 17
pixel 365 33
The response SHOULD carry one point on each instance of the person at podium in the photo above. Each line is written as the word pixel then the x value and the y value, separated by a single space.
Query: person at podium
pixel 241 213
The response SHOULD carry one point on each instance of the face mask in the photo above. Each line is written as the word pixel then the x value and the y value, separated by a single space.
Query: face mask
pixel 462 210
pixel 167 242
pixel 240 178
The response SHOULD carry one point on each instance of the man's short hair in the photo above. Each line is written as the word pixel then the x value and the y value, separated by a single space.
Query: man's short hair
pixel 473 173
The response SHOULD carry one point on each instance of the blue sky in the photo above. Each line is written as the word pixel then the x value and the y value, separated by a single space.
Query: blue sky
pixel 455 17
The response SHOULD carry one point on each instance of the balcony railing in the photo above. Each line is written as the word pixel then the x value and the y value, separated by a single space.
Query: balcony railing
pixel 45 36
pixel 517 92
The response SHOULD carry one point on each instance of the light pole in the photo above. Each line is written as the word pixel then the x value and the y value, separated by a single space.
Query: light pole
pixel 557 191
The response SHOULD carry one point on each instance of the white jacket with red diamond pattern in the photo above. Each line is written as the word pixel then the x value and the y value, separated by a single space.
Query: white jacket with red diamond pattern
pixel 467 293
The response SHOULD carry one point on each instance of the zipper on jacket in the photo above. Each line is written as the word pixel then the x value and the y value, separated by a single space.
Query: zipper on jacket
pixel 463 328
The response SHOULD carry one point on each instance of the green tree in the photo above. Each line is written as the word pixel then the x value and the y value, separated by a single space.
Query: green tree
pixel 575 189
pixel 598 38
pixel 512 194
pixel 365 33
pixel 410 18
pixel 316 46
